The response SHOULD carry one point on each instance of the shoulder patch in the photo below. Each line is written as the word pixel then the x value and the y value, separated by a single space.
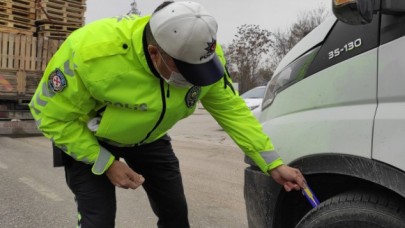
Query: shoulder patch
pixel 57 81
pixel 192 96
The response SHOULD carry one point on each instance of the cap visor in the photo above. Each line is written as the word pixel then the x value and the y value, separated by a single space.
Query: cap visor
pixel 201 74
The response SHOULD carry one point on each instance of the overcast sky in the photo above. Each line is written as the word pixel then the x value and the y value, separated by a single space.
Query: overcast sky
pixel 268 14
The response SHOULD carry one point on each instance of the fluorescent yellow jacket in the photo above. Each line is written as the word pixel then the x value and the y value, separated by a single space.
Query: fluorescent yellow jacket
pixel 103 66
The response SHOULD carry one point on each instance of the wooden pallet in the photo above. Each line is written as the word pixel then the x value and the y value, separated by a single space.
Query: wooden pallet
pixel 5 29
pixel 54 19
pixel 17 12
pixel 57 13
pixel 17 25
pixel 21 83
pixel 23 2
pixel 64 5
pixel 14 21
pixel 27 6
pixel 26 52
pixel 17 51
pixel 41 17
pixel 58 27
pixel 55 35
pixel 27 3
pixel 48 47
pixel 71 12
pixel 16 18
pixel 17 8
pixel 32 81
pixel 80 2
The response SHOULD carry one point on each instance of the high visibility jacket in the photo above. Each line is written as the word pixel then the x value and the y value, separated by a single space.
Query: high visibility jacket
pixel 103 66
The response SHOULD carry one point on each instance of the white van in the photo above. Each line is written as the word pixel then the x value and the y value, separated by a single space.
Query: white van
pixel 335 109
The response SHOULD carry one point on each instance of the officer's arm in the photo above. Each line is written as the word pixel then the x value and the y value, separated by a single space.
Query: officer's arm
pixel 59 105
pixel 232 113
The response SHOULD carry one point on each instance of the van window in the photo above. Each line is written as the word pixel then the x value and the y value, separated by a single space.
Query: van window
pixel 292 73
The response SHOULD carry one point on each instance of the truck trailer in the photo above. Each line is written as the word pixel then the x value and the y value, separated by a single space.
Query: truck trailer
pixel 30 33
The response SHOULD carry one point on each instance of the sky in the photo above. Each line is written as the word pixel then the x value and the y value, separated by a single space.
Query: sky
pixel 272 15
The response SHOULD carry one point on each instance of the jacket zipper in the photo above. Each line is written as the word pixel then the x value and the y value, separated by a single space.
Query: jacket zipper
pixel 162 114
pixel 227 82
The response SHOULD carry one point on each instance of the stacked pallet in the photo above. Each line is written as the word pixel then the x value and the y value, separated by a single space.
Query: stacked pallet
pixel 56 19
pixel 17 16
pixel 32 30
pixel 26 52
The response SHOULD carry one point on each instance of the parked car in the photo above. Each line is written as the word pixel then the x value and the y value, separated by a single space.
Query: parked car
pixel 254 98
pixel 257 111
pixel 335 109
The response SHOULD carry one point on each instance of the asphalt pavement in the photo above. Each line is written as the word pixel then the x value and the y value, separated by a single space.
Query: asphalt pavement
pixel 34 194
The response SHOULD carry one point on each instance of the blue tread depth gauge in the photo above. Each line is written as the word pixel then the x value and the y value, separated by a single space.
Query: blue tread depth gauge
pixel 307 192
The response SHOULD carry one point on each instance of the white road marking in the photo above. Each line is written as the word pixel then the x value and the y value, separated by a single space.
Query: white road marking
pixel 3 166
pixel 40 188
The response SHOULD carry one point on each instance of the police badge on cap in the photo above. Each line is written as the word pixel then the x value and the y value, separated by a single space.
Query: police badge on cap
pixel 57 81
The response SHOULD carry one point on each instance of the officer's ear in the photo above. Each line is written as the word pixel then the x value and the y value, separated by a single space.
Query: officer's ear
pixel 153 53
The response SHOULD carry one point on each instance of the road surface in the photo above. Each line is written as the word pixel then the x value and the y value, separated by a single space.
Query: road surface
pixel 34 194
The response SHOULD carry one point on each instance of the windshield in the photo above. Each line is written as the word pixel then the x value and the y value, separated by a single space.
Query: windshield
pixel 257 92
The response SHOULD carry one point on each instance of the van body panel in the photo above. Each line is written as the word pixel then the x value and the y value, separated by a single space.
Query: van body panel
pixel 313 116
pixel 308 42
pixel 389 130
pixel 335 109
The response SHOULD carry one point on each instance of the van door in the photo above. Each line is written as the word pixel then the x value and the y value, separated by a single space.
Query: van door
pixel 332 109
pixel 389 129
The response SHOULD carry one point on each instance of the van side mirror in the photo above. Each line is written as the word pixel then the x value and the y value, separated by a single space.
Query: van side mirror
pixel 354 12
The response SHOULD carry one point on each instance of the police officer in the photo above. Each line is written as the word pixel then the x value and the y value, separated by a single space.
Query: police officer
pixel 114 89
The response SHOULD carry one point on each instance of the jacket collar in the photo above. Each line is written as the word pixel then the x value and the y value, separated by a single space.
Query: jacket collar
pixel 147 56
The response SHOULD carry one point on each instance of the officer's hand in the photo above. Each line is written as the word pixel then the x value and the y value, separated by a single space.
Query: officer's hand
pixel 122 176
pixel 290 178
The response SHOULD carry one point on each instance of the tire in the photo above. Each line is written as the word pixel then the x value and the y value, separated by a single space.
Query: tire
pixel 357 209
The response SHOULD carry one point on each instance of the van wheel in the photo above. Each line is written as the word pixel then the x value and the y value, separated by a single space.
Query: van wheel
pixel 357 209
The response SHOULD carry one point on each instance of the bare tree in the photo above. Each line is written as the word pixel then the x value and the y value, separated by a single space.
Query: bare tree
pixel 255 53
pixel 282 43
pixel 134 9
pixel 306 22
pixel 285 41
pixel 246 53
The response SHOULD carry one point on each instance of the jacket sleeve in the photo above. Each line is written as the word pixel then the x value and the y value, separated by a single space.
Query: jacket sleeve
pixel 232 113
pixel 60 106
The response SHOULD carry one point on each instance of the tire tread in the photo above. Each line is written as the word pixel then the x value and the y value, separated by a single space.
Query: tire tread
pixel 386 203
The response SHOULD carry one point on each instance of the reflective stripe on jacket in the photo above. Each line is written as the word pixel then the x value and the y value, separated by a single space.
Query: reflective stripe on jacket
pixel 103 65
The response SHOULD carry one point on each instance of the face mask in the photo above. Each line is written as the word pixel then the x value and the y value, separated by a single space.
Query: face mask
pixel 176 79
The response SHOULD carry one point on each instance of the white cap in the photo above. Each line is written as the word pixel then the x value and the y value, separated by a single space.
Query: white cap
pixel 187 32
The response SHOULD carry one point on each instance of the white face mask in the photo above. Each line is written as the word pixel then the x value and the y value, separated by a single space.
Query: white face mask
pixel 176 79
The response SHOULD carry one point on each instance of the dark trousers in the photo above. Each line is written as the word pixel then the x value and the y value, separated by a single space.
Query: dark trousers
pixel 95 195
